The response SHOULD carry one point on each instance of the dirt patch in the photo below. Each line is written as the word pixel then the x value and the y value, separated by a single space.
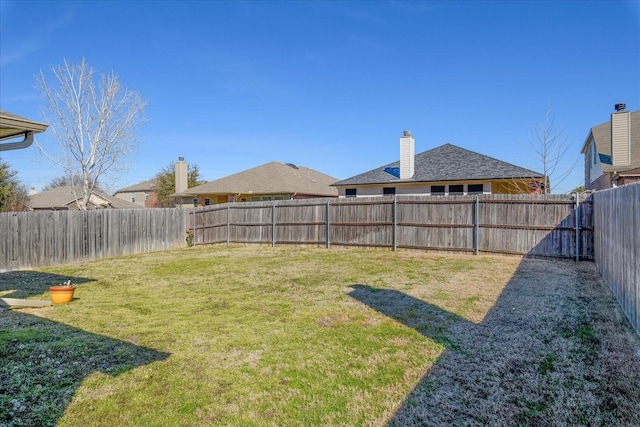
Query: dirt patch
pixel 555 349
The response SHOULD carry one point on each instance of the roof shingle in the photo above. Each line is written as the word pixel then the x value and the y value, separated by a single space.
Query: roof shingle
pixel 271 178
pixel 445 163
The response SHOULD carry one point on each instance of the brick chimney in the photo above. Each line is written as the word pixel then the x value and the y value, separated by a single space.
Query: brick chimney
pixel 182 182
pixel 620 136
pixel 407 155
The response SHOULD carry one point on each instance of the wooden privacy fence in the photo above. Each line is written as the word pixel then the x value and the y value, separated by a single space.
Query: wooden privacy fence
pixel 526 225
pixel 33 239
pixel 616 218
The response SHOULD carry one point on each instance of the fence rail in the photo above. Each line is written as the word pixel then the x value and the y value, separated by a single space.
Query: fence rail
pixel 526 225
pixel 34 239
pixel 616 218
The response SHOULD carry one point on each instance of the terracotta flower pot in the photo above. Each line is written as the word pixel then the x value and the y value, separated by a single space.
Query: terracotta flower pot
pixel 61 294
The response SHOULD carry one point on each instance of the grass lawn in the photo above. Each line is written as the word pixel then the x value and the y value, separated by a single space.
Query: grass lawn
pixel 261 336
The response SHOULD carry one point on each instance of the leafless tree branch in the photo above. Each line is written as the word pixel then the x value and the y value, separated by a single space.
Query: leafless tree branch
pixel 94 120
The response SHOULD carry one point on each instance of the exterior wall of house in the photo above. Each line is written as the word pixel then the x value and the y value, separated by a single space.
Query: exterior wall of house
pixel 587 170
pixel 627 180
pixel 601 183
pixel 626 177
pixel 415 189
pixel 592 167
pixel 147 199
pixel 151 200
pixel 516 186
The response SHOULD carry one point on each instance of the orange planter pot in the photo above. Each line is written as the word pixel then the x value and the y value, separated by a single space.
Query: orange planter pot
pixel 61 294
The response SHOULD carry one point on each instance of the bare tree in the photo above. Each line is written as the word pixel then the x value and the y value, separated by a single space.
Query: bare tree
pixel 94 120
pixel 66 180
pixel 550 146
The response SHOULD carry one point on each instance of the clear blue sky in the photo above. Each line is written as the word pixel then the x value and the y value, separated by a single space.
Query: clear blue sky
pixel 330 85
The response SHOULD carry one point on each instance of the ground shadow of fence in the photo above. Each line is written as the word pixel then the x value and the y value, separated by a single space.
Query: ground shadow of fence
pixel 44 362
pixel 533 360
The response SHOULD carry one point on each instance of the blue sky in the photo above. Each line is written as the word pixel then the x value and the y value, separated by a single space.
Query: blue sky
pixel 330 85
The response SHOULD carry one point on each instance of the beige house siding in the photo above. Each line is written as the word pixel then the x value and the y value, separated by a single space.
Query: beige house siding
pixel 618 141
pixel 409 189
pixel 147 199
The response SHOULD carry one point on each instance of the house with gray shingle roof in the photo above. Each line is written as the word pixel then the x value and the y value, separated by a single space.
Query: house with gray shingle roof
pixel 271 181
pixel 64 198
pixel 143 194
pixel 444 170
pixel 612 151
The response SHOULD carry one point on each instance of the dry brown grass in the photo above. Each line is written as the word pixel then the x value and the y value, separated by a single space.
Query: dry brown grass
pixel 555 349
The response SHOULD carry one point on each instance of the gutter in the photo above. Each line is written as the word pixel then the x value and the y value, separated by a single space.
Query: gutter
pixel 26 142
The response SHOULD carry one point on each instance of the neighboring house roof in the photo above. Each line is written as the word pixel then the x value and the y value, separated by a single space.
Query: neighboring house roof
pixel 148 185
pixel 602 136
pixel 444 163
pixel 270 178
pixel 62 197
pixel 13 126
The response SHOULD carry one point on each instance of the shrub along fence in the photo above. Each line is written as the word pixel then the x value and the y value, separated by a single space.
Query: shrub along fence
pixel 544 226
pixel 616 218
pixel 33 239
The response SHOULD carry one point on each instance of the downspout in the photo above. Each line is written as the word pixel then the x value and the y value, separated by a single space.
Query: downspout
pixel 26 142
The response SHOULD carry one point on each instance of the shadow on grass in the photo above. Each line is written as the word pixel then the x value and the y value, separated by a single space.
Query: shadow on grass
pixel 44 362
pixel 25 284
pixel 428 319
pixel 541 355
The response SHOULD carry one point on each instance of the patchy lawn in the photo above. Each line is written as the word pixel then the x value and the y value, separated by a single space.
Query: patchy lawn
pixel 293 336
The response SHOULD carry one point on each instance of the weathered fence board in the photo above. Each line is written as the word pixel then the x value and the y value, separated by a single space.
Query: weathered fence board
pixel 616 245
pixel 526 225
pixel 33 239
pixel 534 225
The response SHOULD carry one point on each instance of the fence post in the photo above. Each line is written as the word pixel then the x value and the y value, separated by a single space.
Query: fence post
pixel 195 240
pixel 273 224
pixel 578 221
pixel 328 223
pixel 476 225
pixel 394 222
pixel 228 232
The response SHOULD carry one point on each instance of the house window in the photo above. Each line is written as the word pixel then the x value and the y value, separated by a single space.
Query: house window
pixel 207 201
pixel 475 189
pixel 146 195
pixel 388 191
pixel 456 189
pixel 133 197
pixel 437 190
pixel 195 203
pixel 350 192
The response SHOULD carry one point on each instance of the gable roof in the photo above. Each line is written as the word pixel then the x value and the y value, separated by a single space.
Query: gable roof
pixel 270 178
pixel 444 163
pixel 148 185
pixel 602 136
pixel 63 196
